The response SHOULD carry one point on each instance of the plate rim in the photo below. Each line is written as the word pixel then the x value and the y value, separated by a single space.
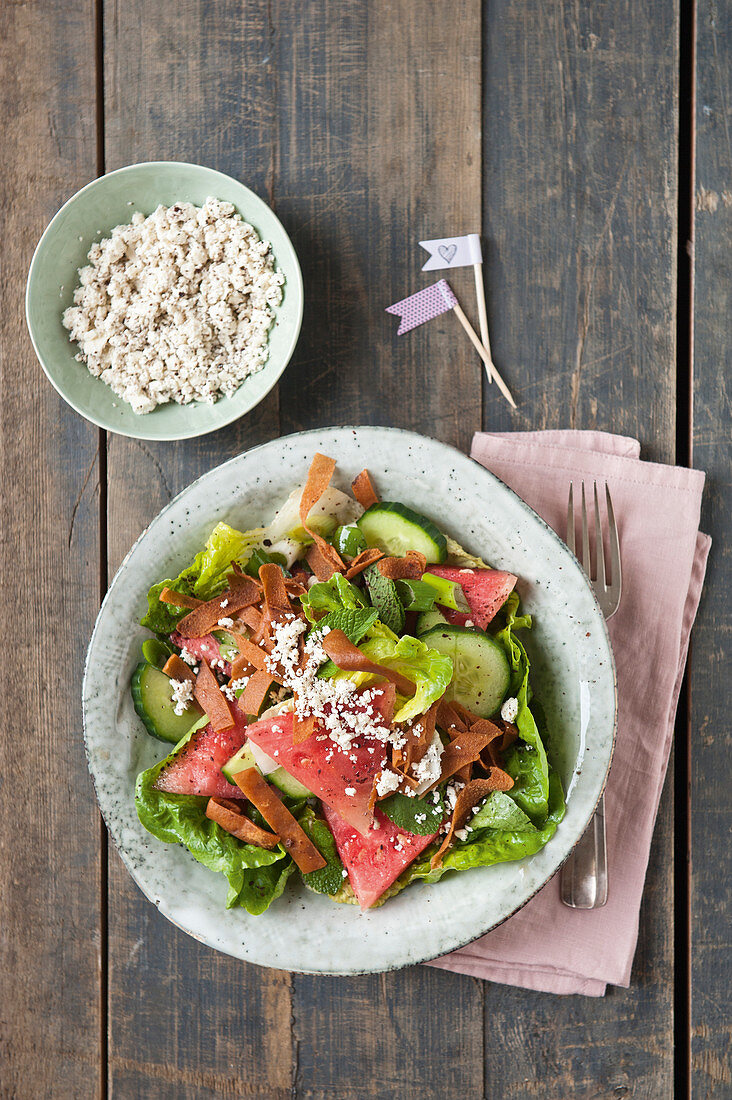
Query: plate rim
pixel 107 423
pixel 421 958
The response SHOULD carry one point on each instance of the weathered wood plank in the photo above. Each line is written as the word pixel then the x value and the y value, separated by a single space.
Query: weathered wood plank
pixel 50 1019
pixel 379 146
pixel 187 81
pixel 579 155
pixel 711 901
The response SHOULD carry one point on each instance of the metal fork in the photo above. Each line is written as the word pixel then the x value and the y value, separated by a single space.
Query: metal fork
pixel 584 876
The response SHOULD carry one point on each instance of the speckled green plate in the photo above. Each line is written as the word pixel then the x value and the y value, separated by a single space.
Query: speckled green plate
pixel 90 215
pixel 572 673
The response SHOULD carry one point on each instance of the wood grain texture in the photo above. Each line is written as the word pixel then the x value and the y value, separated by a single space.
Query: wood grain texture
pixel 580 194
pixel 711 899
pixel 50 1024
pixel 187 81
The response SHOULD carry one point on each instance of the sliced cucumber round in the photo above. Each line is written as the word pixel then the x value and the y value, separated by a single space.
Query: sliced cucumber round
pixel 287 783
pixel 248 756
pixel 395 528
pixel 151 693
pixel 481 675
pixel 428 619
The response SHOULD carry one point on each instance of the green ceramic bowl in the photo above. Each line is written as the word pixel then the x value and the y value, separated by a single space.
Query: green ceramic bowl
pixel 90 215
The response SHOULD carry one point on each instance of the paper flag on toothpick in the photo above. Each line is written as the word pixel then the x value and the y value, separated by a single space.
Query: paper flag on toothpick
pixel 423 306
pixel 453 252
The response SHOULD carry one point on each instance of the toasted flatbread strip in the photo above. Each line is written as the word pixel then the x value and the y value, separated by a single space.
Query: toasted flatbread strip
pixel 226 813
pixel 256 692
pixel 363 490
pixel 465 749
pixel 208 695
pixel 254 654
pixel 240 668
pixel 471 794
pixel 177 669
pixel 319 475
pixel 349 657
pixel 252 619
pixel 302 728
pixel 178 599
pixel 293 839
pixel 322 563
pixel 205 617
pixel 363 561
pixel 449 720
pixel 493 754
pixel 276 599
pixel 409 568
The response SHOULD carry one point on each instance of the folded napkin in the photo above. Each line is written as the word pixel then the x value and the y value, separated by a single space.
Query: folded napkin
pixel 548 946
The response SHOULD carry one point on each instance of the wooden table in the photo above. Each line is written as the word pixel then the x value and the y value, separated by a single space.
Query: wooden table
pixel 579 140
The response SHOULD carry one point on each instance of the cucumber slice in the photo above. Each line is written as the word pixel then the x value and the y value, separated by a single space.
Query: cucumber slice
pixel 481 674
pixel 395 529
pixel 156 652
pixel 349 540
pixel 287 783
pixel 428 619
pixel 248 756
pixel 151 695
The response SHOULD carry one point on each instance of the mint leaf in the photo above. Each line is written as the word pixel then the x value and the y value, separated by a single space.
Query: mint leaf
pixel 354 624
pixel 420 816
pixel 329 879
pixel 385 598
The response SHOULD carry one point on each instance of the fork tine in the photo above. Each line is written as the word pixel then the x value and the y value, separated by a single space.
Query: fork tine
pixel 586 563
pixel 599 548
pixel 615 570
pixel 570 517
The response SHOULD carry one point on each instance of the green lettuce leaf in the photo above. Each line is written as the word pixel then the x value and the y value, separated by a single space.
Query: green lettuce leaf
pixel 501 812
pixel 162 618
pixel 329 879
pixel 461 558
pixel 420 816
pixel 429 670
pixel 531 767
pixel 224 546
pixel 253 879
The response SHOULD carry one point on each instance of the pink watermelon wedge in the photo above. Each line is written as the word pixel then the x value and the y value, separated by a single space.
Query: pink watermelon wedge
pixel 486 591
pixel 376 860
pixel 326 770
pixel 205 649
pixel 196 769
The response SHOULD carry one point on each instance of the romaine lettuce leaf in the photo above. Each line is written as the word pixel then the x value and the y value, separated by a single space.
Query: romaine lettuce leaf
pixel 428 669
pixel 254 880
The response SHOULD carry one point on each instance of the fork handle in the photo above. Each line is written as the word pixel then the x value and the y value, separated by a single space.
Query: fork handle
pixel 583 880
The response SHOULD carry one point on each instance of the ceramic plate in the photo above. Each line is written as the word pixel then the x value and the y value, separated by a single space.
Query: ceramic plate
pixel 88 216
pixel 572 674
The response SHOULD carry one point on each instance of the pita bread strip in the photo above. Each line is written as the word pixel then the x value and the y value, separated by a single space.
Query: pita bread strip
pixel 465 749
pixel 280 820
pixel 209 695
pixel 254 654
pixel 363 490
pixel 323 564
pixel 321 471
pixel 235 822
pixel 276 599
pixel 256 691
pixel 448 719
pixel 302 728
pixel 252 618
pixel 205 618
pixel 363 560
pixel 409 568
pixel 178 599
pixel 350 658
pixel 177 669
pixel 237 579
pixel 471 794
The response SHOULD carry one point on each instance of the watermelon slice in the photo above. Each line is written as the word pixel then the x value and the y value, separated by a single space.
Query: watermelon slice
pixel 486 591
pixel 205 649
pixel 324 768
pixel 196 768
pixel 376 860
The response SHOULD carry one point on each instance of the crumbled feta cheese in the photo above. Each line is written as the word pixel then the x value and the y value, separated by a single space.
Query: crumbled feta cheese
pixel 350 791
pixel 226 623
pixel 223 604
pixel 428 770
pixel 387 782
pixel 234 686
pixel 176 306
pixel 509 710
pixel 188 657
pixel 182 695
pixel 469 623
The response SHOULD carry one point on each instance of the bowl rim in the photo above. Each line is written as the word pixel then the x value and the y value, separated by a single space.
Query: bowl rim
pixel 294 285
pixel 589 813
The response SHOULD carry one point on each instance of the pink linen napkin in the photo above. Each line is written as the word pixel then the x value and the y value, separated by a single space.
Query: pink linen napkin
pixel 547 946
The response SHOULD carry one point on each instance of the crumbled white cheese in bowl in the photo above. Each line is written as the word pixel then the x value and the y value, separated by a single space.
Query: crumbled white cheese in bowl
pixel 176 306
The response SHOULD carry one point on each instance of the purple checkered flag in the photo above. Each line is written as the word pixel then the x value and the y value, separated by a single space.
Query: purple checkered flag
pixel 423 306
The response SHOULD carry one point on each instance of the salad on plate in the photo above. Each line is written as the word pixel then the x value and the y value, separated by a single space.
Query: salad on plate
pixel 347 700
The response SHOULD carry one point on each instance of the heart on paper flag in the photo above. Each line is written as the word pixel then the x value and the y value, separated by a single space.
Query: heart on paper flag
pixel 453 252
